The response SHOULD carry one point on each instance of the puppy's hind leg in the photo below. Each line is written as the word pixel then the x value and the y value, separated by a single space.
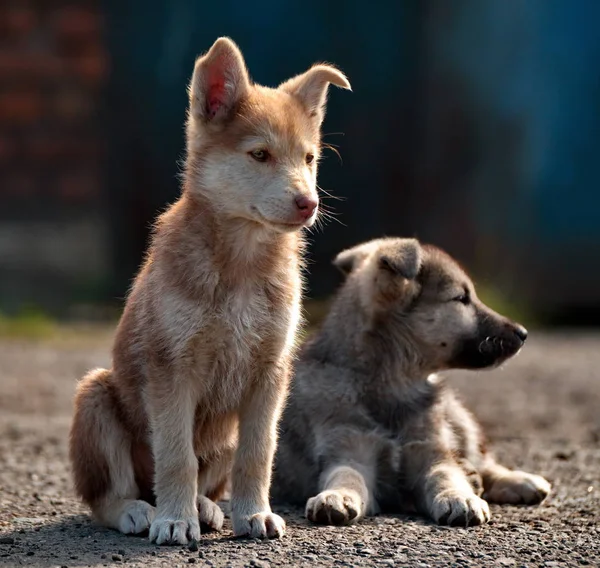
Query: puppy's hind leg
pixel 213 478
pixel 100 452
pixel 504 486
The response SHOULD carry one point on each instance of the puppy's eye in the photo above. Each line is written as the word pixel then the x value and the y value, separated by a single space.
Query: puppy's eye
pixel 310 158
pixel 463 299
pixel 260 155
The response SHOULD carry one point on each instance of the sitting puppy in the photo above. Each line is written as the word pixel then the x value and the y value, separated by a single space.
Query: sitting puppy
pixel 368 427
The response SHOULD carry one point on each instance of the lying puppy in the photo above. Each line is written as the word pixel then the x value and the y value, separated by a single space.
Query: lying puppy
pixel 368 427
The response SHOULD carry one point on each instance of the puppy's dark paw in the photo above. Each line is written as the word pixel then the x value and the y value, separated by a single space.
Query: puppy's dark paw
pixel 334 507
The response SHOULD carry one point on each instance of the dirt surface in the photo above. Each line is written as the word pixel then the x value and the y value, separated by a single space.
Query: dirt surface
pixel 541 412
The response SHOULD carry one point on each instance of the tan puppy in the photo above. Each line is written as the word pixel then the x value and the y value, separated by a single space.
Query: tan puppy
pixel 202 353
pixel 368 427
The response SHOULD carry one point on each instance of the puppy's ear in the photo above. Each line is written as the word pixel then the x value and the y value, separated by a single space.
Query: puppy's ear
pixel 310 88
pixel 403 260
pixel 219 82
pixel 349 259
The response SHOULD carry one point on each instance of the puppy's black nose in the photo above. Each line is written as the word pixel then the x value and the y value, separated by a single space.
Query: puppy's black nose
pixel 521 332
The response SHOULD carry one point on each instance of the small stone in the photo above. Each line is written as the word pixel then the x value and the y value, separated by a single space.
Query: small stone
pixel 192 560
pixel 563 456
pixel 103 556
pixel 117 558
pixel 30 553
pixel 74 557
pixel 121 552
pixel 7 540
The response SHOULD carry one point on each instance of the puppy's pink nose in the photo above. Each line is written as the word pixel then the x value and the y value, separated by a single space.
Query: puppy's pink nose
pixel 306 206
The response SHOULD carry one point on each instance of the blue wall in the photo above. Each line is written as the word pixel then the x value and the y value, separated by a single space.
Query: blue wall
pixel 474 124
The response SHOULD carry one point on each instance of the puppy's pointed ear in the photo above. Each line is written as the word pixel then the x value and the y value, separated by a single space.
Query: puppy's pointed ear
pixel 310 88
pixel 403 260
pixel 219 83
pixel 347 260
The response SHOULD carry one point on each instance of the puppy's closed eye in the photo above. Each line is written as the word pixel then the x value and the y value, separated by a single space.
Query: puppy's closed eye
pixel 463 299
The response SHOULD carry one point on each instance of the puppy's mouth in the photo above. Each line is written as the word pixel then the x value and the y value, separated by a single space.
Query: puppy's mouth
pixel 284 226
pixel 485 352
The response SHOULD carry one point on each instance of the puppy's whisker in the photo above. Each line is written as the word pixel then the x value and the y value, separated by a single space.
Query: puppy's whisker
pixel 334 150
pixel 330 195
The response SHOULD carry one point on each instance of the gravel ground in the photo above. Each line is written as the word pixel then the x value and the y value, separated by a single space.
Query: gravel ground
pixel 541 413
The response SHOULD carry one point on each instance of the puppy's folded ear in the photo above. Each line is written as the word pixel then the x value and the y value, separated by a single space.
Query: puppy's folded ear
pixel 219 83
pixel 310 88
pixel 349 259
pixel 403 260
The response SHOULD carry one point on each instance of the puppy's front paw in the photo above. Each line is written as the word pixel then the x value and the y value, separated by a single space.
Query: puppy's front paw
pixel 259 525
pixel 518 487
pixel 452 507
pixel 165 530
pixel 334 507
pixel 209 514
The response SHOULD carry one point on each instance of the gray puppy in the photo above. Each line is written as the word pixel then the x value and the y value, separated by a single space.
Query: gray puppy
pixel 368 426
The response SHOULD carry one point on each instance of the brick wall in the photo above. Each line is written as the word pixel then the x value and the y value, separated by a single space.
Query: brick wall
pixel 53 67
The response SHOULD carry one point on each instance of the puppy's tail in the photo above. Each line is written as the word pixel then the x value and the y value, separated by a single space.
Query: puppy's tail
pixel 92 433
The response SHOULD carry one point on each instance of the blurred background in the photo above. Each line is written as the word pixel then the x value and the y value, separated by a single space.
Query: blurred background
pixel 474 125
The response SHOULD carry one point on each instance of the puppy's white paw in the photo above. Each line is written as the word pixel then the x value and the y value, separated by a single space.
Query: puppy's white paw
pixel 334 507
pixel 457 508
pixel 518 487
pixel 209 513
pixel 166 530
pixel 136 517
pixel 259 525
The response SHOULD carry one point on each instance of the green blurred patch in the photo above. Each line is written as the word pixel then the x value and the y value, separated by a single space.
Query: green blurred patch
pixel 511 307
pixel 34 324
pixel 30 322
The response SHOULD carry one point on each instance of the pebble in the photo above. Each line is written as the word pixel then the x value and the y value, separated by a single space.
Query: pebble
pixel 117 558
pixel 7 540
